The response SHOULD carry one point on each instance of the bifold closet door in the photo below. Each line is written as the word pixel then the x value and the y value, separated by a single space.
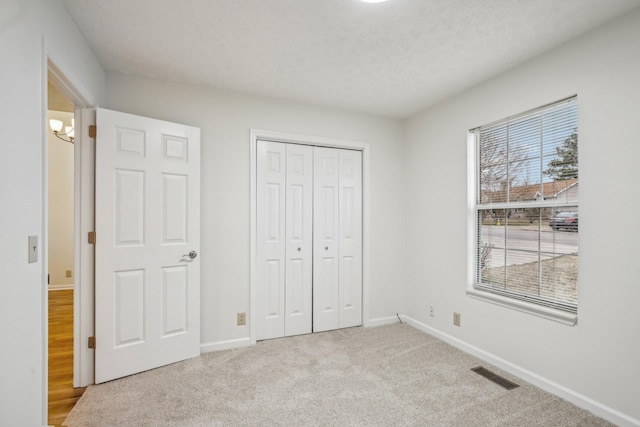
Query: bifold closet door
pixel 284 239
pixel 337 239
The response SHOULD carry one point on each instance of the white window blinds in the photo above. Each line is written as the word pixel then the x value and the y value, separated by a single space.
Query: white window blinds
pixel 526 206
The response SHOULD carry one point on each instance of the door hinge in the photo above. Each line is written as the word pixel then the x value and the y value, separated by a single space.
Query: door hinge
pixel 92 238
pixel 93 131
pixel 92 342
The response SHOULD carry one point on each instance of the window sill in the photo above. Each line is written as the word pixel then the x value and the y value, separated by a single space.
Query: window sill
pixel 525 307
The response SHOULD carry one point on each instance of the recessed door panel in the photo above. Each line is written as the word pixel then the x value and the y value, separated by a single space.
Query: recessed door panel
pixel 175 148
pixel 273 212
pixel 327 297
pixel 129 207
pixel 174 208
pixel 175 300
pixel 296 192
pixel 129 307
pixel 130 142
pixel 272 289
pixel 295 288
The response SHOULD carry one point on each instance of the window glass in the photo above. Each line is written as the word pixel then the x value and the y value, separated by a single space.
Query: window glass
pixel 527 206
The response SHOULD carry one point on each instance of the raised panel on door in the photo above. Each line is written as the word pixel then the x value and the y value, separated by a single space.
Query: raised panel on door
pixel 128 296
pixel 299 236
pixel 326 239
pixel 271 239
pixel 350 231
pixel 147 218
pixel 175 297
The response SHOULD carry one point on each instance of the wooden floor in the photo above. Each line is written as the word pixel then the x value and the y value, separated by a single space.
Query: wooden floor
pixel 62 395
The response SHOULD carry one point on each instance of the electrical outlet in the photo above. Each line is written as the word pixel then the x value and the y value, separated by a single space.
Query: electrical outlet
pixel 242 319
pixel 456 319
pixel 68 273
pixel 432 311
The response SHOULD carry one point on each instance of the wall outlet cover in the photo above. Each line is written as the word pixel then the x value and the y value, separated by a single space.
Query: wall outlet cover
pixel 456 319
pixel 242 319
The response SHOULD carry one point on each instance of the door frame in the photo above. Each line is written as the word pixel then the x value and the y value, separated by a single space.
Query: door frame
pixel 315 141
pixel 84 195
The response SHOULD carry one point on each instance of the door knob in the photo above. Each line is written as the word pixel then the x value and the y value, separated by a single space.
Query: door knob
pixel 191 255
pixel 326 248
pixel 299 249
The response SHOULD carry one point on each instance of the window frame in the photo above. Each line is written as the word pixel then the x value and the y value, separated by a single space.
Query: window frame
pixel 478 291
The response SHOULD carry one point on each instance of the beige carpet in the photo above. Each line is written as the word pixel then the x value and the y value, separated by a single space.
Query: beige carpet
pixel 386 376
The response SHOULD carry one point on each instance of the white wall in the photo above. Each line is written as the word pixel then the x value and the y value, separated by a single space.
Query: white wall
pixel 60 193
pixel 24 25
pixel 226 119
pixel 598 358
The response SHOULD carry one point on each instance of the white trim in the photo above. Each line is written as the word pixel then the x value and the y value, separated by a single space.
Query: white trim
pixel 257 134
pixel 83 364
pixel 472 242
pixel 224 345
pixel 44 227
pixel 60 287
pixel 526 307
pixel 253 230
pixel 572 396
pixel 381 321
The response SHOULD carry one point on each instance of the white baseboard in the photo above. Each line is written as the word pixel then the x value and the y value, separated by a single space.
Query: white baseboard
pixel 224 345
pixel 246 342
pixel 381 321
pixel 597 408
pixel 60 287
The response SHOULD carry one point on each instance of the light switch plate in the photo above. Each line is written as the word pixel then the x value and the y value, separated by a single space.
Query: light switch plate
pixel 33 249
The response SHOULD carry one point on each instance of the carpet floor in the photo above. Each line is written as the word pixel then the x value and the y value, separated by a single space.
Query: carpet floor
pixel 391 375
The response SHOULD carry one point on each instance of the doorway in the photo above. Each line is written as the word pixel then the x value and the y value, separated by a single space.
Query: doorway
pixel 73 280
pixel 61 253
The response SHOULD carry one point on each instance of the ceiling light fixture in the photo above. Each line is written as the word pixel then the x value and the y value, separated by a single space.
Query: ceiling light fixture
pixel 373 1
pixel 56 127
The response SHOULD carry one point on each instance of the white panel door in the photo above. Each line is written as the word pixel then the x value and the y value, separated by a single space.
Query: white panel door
pixel 326 241
pixel 147 297
pixel 284 230
pixel 299 237
pixel 350 231
pixel 271 239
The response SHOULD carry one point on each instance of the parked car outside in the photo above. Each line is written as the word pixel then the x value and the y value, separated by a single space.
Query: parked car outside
pixel 564 221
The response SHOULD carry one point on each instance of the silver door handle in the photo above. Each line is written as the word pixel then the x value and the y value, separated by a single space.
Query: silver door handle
pixel 191 255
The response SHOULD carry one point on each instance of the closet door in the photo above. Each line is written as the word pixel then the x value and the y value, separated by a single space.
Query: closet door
pixel 309 239
pixel 350 238
pixel 299 240
pixel 284 239
pixel 326 220
pixel 271 248
pixel 337 269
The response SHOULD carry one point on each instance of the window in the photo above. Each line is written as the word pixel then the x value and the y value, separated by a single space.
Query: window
pixel 526 210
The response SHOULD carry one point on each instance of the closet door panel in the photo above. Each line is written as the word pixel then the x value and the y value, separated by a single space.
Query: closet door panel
pixel 299 237
pixel 326 219
pixel 271 240
pixel 350 238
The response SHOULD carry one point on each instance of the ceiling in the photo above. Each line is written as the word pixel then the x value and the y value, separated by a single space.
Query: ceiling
pixel 392 59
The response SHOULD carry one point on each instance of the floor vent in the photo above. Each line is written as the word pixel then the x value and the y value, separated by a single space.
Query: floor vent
pixel 491 376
